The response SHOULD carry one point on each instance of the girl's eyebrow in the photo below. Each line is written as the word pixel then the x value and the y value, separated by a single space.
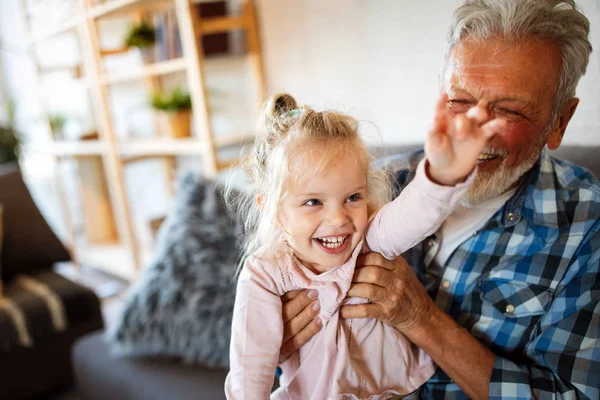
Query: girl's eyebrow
pixel 357 189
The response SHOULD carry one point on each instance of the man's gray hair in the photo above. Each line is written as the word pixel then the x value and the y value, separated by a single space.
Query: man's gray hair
pixel 559 20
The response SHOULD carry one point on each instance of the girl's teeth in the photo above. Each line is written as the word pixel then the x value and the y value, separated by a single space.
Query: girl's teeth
pixel 332 242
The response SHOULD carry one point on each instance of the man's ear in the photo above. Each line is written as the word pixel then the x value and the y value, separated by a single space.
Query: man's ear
pixel 560 124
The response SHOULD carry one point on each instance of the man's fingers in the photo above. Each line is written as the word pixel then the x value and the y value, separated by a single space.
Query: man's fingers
pixel 463 127
pixel 373 258
pixel 297 323
pixel 373 293
pixel 300 339
pixel 360 311
pixel 373 275
pixel 290 295
pixel 479 113
pixel 296 301
pixel 440 121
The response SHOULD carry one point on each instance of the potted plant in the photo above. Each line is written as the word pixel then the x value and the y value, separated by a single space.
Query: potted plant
pixel 9 145
pixel 174 112
pixel 9 138
pixel 57 125
pixel 142 36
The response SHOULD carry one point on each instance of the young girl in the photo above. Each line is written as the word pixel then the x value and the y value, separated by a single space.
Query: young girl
pixel 312 211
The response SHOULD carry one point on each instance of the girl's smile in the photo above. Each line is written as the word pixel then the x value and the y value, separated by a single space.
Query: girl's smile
pixel 324 216
pixel 333 244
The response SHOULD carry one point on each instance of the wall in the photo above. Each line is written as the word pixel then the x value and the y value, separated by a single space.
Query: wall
pixel 380 60
pixel 377 59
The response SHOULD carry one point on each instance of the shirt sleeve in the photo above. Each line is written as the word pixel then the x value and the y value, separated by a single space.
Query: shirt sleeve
pixel 566 350
pixel 256 334
pixel 416 213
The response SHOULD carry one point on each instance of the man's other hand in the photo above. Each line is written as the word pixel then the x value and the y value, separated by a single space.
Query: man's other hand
pixel 300 320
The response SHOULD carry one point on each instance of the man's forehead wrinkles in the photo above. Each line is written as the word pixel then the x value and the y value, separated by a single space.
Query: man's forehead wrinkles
pixel 492 95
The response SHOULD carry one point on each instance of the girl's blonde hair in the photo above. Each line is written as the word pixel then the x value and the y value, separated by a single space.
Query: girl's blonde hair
pixel 279 154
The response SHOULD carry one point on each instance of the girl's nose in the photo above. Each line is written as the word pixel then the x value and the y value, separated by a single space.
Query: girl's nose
pixel 337 217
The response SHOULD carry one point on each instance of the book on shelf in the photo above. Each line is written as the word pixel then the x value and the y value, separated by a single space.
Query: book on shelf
pixel 168 42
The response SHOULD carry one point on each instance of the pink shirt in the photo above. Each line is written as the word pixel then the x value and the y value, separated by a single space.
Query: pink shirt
pixel 348 359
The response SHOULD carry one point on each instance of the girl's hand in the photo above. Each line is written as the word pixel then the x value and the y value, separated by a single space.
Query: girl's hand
pixel 455 141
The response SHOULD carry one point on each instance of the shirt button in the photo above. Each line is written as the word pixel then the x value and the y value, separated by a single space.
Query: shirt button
pixel 445 284
pixel 511 217
pixel 510 308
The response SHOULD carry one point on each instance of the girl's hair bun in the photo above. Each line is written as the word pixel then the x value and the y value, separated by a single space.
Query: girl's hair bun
pixel 283 103
pixel 274 119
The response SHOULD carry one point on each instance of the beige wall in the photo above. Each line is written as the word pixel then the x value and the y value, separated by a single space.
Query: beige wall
pixel 377 59
pixel 380 59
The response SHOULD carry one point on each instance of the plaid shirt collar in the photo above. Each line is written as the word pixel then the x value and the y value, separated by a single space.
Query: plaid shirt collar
pixel 529 201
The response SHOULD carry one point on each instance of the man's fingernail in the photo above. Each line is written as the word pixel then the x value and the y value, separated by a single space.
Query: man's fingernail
pixel 319 322
pixel 312 294
pixel 316 306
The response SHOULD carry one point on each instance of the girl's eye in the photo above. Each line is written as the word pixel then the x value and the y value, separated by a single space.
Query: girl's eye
pixel 353 198
pixel 312 202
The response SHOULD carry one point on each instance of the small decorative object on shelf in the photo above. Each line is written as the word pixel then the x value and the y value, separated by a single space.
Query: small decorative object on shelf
pixel 57 124
pixel 142 36
pixel 9 138
pixel 9 144
pixel 174 112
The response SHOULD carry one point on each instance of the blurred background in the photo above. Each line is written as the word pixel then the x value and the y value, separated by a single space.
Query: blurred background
pixel 113 100
pixel 106 104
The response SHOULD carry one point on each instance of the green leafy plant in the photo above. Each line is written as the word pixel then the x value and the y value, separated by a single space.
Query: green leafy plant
pixel 9 144
pixel 174 100
pixel 140 35
pixel 57 122
pixel 10 140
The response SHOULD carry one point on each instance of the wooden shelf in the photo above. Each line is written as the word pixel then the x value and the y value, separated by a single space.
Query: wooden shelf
pixel 112 258
pixel 108 240
pixel 148 148
pixel 160 68
pixel 65 27
pixel 120 7
pixel 219 25
pixel 64 148
pixel 233 140
pixel 78 148
pixel 141 149
pixel 112 52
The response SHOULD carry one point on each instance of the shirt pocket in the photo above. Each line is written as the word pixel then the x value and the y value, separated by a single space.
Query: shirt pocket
pixel 515 299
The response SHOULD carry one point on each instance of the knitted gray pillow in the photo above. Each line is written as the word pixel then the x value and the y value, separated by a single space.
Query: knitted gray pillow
pixel 182 303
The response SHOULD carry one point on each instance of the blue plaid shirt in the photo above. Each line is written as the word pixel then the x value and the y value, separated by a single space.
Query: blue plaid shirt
pixel 527 285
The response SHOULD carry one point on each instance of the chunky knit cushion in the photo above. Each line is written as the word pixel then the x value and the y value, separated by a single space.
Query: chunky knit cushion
pixel 183 301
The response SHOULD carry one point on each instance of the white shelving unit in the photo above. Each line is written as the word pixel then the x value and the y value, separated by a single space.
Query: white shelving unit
pixel 111 241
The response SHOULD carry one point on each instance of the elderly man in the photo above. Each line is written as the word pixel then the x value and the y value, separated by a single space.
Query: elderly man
pixel 506 295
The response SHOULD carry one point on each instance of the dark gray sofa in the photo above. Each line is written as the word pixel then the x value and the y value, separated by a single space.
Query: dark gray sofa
pixel 35 361
pixel 100 376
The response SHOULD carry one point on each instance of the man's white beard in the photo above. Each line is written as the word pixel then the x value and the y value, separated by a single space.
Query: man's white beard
pixel 487 185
